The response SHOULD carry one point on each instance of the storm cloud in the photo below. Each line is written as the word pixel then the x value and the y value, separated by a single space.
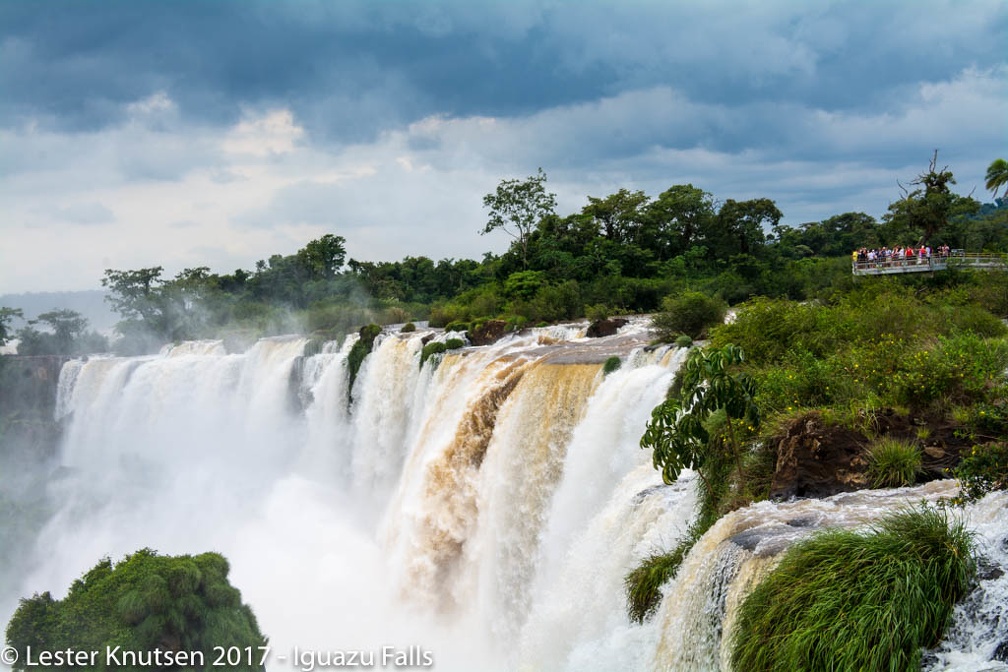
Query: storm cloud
pixel 262 125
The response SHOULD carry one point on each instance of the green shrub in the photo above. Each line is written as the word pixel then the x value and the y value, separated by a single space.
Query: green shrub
pixel 683 341
pixel 457 325
pixel 983 470
pixel 144 602
pixel 612 364
pixel 893 463
pixel 432 348
pixel 690 313
pixel 516 322
pixel 408 328
pixel 454 343
pixel 844 600
pixel 598 312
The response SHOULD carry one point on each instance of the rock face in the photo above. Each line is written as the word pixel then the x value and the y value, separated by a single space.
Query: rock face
pixel 27 400
pixel 600 328
pixel 814 460
pixel 487 333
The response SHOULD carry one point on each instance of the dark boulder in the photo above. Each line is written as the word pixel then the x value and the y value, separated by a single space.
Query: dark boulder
pixel 609 327
pixel 487 332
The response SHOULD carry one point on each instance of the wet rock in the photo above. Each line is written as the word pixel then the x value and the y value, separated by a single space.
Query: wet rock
pixel 488 332
pixel 1001 652
pixel 600 328
pixel 815 460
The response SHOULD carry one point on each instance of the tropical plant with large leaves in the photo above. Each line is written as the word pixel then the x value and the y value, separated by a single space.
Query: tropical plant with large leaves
pixel 997 176
pixel 714 406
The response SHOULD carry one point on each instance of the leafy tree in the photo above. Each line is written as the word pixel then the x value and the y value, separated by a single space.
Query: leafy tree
pixel 66 334
pixel 323 257
pixel 6 317
pixel 684 431
pixel 517 206
pixel 618 215
pixel 997 176
pixel 923 212
pixel 676 219
pixel 739 227
pixel 146 602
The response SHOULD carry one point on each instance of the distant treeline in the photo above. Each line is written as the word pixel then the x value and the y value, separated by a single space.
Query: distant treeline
pixel 620 253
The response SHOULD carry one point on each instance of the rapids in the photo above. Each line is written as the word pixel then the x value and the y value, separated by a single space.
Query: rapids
pixel 484 507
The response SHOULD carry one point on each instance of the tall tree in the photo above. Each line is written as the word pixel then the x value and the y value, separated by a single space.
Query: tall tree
pixel 619 215
pixel 517 206
pixel 997 176
pixel 676 218
pixel 923 213
pixel 6 316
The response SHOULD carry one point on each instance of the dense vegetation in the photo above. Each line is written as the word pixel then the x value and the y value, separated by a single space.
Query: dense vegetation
pixel 146 602
pixel 624 252
pixel 806 338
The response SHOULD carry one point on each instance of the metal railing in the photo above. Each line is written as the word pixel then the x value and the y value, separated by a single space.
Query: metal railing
pixel 928 264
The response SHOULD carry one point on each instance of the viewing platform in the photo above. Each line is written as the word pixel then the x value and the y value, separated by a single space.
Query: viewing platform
pixel 957 259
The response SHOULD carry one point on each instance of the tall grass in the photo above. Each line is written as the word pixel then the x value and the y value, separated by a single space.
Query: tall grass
pixel 844 600
pixel 893 463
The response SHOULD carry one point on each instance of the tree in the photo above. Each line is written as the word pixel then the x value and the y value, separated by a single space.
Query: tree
pixel 67 335
pixel 619 215
pixel 711 397
pixel 135 295
pixel 925 211
pixel 323 257
pixel 739 227
pixel 145 603
pixel 517 206
pixel 6 316
pixel 675 220
pixel 997 176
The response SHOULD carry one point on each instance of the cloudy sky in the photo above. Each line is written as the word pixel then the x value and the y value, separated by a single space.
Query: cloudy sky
pixel 182 134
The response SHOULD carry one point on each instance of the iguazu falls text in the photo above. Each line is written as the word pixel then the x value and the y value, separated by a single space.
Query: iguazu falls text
pixel 305 660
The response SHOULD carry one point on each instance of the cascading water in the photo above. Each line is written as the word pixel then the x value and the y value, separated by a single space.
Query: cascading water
pixel 485 506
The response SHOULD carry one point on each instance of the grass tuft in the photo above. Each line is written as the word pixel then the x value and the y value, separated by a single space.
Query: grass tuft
pixel 844 600
pixel 893 463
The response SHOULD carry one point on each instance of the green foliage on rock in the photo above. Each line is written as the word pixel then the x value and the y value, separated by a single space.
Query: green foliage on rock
pixel 690 313
pixel 145 602
pixel 408 328
pixel 431 349
pixel 848 600
pixel 361 349
pixel 454 343
pixel 611 364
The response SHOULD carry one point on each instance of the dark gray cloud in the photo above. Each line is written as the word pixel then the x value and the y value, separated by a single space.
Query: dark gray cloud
pixel 247 127
pixel 351 68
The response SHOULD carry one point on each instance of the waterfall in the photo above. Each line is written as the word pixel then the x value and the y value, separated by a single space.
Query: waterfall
pixel 486 505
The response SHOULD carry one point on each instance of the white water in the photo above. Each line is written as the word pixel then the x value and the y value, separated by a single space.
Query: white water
pixel 485 509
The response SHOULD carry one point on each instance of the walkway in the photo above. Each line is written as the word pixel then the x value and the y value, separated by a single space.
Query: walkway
pixel 979 261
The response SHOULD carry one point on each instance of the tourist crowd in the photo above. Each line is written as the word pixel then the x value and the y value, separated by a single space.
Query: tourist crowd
pixel 899 256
